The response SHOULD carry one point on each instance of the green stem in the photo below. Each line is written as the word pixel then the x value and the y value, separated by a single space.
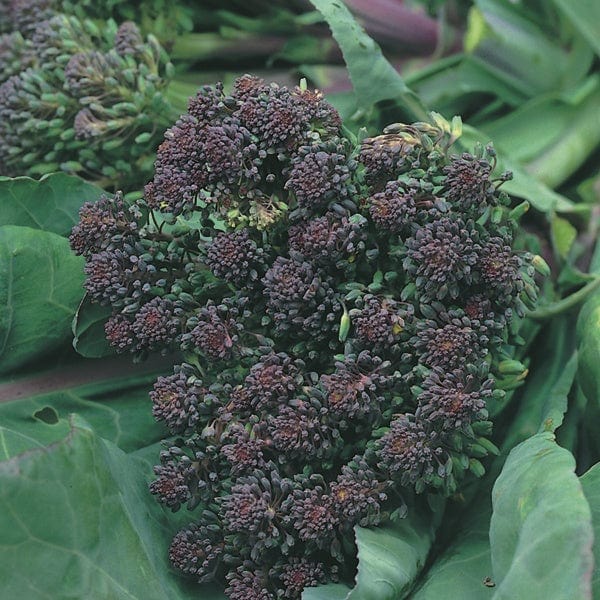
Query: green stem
pixel 557 308
pixel 214 47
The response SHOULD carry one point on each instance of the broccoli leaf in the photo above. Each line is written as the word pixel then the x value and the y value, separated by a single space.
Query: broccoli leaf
pixel 373 77
pixel 76 449
pixel 111 395
pixel 40 288
pixel 391 557
pixel 331 591
pixel 590 482
pixel 541 530
pixel 464 569
pixel 79 523
pixel 585 16
pixel 588 340
pixel 51 204
pixel 89 338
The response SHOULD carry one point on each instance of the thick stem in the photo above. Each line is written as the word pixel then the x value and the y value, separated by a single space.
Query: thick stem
pixel 213 47
pixel 402 28
pixel 109 373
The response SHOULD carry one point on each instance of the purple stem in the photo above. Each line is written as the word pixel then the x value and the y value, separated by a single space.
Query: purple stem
pixel 393 24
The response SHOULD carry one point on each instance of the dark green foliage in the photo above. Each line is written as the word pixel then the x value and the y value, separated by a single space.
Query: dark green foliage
pixel 342 309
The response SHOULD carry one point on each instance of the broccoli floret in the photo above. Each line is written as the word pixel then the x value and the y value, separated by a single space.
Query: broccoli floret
pixel 84 99
pixel 341 309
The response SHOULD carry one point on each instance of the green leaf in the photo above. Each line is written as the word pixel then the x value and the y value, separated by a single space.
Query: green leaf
pixel 373 77
pixel 331 591
pixel 588 342
pixel 111 395
pixel 543 399
pixel 89 338
pixel 449 84
pixel 557 162
pixel 534 126
pixel 462 569
pixel 563 235
pixel 40 288
pixel 595 261
pixel 590 482
pixel 540 532
pixel 588 334
pixel 51 203
pixel 391 557
pixel 585 16
pixel 518 48
pixel 78 522
pixel 588 189
pixel 107 531
pixel 555 405
pixel 25 427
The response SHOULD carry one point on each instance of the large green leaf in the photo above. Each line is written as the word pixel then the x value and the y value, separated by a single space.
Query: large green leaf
pixel 543 400
pixel 590 481
pixel 554 405
pixel 81 520
pixel 112 396
pixel 89 338
pixel 458 80
pixel 40 288
pixel 561 160
pixel 373 77
pixel 463 570
pixel 585 16
pixel 517 47
pixel 564 235
pixel 541 530
pixel 588 378
pixel 331 591
pixel 391 557
pixel 51 203
pixel 588 341
pixel 533 126
pixel 78 522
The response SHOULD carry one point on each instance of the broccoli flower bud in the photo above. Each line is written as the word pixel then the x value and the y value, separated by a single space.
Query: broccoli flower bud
pixel 343 313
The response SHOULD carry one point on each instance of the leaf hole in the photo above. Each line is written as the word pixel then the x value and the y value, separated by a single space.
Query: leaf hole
pixel 47 415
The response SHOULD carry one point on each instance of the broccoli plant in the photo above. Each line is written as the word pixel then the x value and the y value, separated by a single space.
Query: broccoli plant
pixel 84 98
pixel 347 311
